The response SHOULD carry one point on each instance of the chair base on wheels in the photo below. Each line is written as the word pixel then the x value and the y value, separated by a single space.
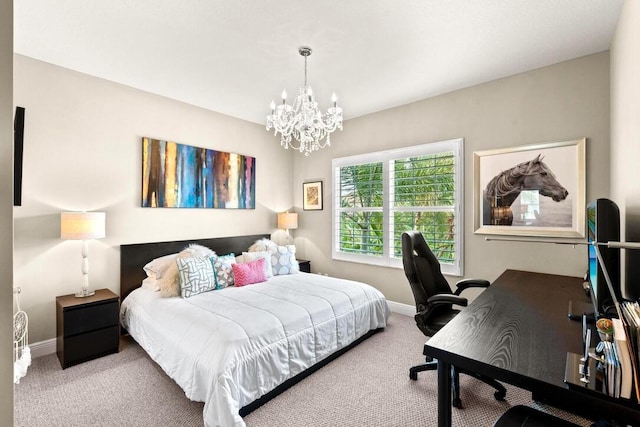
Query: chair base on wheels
pixel 456 402
pixel 524 416
pixel 429 366
pixel 500 392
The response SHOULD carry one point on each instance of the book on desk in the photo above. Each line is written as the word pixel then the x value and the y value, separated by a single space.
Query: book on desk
pixel 617 370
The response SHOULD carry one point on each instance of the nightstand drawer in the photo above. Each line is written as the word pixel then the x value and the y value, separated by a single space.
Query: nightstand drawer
pixel 88 318
pixel 91 345
pixel 305 265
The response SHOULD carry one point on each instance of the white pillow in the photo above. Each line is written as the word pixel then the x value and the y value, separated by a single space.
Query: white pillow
pixel 283 258
pixel 199 250
pixel 263 245
pixel 151 283
pixel 252 256
pixel 158 267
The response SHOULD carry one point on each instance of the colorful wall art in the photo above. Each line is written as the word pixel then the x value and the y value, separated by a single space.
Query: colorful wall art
pixel 182 176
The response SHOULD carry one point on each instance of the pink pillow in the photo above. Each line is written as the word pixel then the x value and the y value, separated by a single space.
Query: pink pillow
pixel 249 272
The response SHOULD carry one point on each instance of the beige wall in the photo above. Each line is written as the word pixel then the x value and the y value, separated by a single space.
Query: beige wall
pixel 625 134
pixel 83 152
pixel 6 209
pixel 556 103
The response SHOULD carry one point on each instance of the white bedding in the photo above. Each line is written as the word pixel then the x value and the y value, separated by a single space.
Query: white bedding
pixel 229 347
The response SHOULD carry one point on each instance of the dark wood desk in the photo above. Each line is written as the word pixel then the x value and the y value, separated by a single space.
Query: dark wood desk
pixel 517 331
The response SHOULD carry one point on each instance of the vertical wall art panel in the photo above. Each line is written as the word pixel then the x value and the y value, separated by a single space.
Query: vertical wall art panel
pixel 182 176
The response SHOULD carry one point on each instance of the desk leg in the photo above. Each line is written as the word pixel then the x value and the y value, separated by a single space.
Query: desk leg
pixel 444 394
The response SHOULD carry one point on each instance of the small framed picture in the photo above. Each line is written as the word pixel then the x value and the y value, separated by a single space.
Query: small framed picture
pixel 312 196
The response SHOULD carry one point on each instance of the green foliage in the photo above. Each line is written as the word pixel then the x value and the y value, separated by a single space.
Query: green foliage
pixel 423 191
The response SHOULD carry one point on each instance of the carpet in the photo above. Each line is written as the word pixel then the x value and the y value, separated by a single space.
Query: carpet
pixel 367 386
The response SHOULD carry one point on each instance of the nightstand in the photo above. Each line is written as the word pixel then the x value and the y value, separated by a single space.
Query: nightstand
pixel 305 265
pixel 87 328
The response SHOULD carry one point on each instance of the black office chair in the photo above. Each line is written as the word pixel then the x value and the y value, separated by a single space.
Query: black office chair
pixel 434 301
pixel 524 416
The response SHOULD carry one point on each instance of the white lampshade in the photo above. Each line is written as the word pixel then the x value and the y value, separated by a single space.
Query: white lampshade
pixel 287 220
pixel 82 225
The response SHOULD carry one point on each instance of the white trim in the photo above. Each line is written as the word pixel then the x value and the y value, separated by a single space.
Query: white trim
pixel 404 309
pixel 386 157
pixel 43 348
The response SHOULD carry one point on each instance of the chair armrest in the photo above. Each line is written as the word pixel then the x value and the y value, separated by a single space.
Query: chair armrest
pixel 471 283
pixel 448 299
pixel 433 304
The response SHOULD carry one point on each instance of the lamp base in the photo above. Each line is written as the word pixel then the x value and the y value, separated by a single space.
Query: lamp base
pixel 85 293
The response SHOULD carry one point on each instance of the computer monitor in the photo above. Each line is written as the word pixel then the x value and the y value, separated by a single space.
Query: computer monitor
pixel 603 225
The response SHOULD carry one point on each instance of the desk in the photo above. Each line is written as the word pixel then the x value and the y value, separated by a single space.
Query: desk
pixel 517 331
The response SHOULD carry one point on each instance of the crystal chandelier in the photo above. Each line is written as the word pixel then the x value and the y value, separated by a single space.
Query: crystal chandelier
pixel 301 125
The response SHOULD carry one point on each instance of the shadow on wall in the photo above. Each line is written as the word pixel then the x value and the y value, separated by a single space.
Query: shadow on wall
pixel 33 230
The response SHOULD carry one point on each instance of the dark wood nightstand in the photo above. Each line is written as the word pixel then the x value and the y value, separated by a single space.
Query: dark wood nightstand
pixel 305 265
pixel 87 328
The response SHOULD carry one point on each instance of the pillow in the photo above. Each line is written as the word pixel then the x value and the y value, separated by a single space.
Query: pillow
pixel 263 245
pixel 283 258
pixel 151 283
pixel 169 282
pixel 249 272
pixel 196 276
pixel 157 267
pixel 223 271
pixel 199 250
pixel 252 256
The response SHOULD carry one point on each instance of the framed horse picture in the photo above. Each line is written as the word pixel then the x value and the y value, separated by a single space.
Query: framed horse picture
pixel 531 190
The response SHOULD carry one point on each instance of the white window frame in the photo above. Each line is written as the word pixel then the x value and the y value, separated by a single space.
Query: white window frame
pixel 453 145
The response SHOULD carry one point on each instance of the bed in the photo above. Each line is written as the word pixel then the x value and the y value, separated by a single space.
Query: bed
pixel 237 347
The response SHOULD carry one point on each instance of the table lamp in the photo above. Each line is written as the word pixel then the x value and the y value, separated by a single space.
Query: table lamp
pixel 83 226
pixel 287 220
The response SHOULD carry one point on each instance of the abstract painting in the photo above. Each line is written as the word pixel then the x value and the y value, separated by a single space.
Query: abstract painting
pixel 183 176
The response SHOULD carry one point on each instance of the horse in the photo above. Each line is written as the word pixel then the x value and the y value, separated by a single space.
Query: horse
pixel 505 188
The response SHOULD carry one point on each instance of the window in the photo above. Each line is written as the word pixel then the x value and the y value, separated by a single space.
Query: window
pixel 378 196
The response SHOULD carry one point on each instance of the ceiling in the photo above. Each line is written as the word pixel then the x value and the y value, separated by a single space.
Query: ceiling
pixel 235 56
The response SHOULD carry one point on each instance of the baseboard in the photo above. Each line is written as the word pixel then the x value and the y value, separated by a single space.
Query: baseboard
pixel 43 348
pixel 404 309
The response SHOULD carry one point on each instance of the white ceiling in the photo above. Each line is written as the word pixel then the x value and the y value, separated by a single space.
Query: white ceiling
pixel 235 56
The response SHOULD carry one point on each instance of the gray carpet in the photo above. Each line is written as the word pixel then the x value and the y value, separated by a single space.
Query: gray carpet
pixel 367 386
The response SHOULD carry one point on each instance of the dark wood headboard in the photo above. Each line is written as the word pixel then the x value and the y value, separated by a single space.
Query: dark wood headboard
pixel 135 256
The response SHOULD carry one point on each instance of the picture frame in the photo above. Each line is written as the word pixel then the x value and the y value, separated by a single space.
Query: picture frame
pixel 312 196
pixel 176 175
pixel 533 190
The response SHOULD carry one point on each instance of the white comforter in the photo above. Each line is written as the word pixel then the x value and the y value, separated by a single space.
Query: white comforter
pixel 229 347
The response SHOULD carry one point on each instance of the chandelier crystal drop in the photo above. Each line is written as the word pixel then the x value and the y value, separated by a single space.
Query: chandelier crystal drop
pixel 302 126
